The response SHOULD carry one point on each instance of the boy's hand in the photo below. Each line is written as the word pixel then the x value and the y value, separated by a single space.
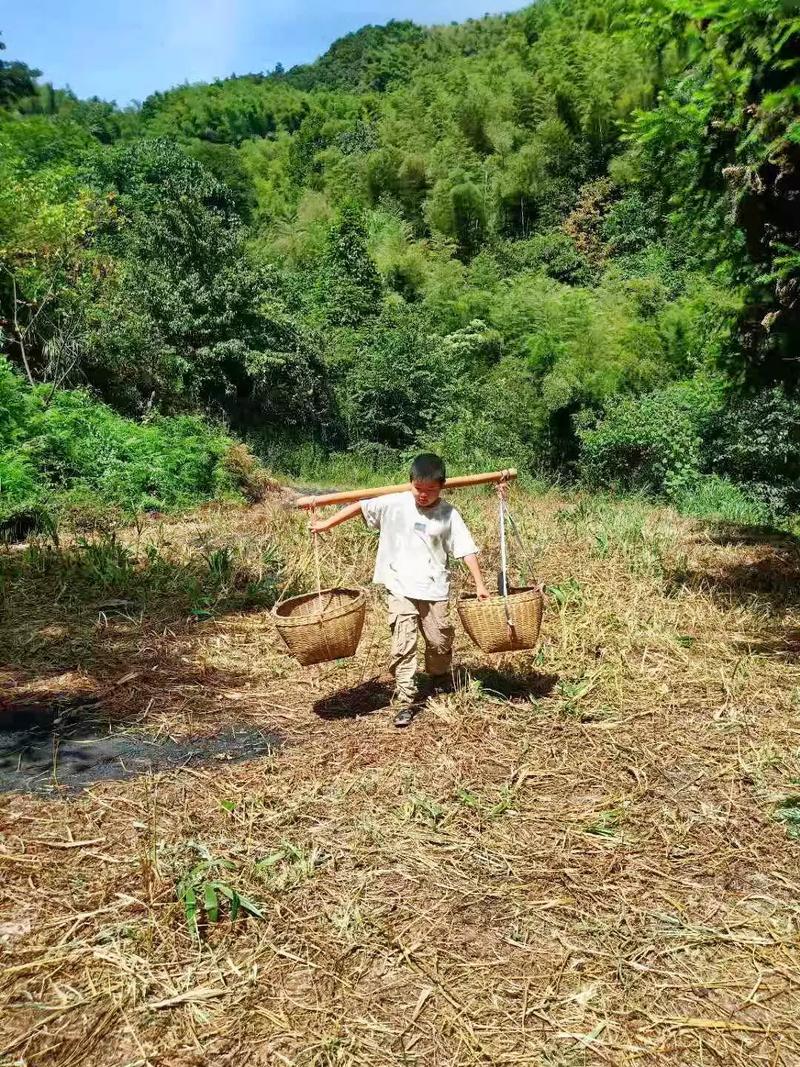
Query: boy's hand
pixel 474 569
pixel 318 526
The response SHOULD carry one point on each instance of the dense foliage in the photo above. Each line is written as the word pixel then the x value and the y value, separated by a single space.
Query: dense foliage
pixel 64 449
pixel 568 236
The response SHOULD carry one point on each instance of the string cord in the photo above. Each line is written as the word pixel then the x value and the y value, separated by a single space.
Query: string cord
pixel 522 547
pixel 315 536
pixel 501 493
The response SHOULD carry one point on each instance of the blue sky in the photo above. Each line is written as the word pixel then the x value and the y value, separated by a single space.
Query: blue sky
pixel 125 49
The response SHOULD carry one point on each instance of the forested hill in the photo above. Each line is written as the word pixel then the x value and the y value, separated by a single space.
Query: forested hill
pixel 567 237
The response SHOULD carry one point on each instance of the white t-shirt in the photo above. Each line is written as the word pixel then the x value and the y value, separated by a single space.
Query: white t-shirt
pixel 415 545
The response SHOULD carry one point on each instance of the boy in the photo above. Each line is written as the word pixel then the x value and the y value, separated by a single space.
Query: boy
pixel 419 532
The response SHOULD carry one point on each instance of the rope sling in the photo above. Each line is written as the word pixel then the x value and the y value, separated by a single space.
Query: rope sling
pixel 510 621
pixel 502 578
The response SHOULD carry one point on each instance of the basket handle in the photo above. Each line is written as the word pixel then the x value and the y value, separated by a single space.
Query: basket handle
pixel 501 494
pixel 299 565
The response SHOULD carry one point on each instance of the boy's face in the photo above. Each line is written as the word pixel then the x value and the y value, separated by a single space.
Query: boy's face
pixel 426 494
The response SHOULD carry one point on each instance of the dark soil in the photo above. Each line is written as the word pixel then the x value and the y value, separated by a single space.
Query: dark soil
pixel 43 749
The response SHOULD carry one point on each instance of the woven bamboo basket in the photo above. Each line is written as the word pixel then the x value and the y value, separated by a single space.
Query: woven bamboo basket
pixel 486 621
pixel 320 627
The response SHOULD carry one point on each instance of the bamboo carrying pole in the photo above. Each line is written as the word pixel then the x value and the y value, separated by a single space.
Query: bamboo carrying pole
pixel 384 490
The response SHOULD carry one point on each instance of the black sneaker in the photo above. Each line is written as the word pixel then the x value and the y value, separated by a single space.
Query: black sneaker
pixel 405 716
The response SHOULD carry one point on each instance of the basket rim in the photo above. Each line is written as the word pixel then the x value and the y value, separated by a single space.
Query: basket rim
pixel 526 592
pixel 357 597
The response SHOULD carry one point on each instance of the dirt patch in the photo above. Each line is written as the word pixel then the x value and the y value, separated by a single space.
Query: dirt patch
pixel 48 749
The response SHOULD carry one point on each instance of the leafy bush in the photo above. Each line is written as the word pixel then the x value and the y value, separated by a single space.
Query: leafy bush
pixel 630 224
pixel 653 442
pixel 738 459
pixel 21 493
pixel 757 444
pixel 78 443
pixel 70 448
pixel 15 402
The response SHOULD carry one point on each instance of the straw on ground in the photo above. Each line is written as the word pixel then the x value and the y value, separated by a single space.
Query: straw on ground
pixel 580 856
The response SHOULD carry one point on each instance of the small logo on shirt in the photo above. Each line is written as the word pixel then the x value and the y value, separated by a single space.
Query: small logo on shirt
pixel 420 527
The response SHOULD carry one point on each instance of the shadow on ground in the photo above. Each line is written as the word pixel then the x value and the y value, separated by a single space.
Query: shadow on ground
pixel 128 649
pixel 783 642
pixel 353 703
pixel 728 533
pixel 766 575
pixel 376 694
pixel 515 685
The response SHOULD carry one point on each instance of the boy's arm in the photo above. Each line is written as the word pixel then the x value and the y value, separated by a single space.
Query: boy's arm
pixel 323 525
pixel 475 570
pixel 464 548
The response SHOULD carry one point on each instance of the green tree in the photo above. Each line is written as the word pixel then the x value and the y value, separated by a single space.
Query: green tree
pixel 17 80
pixel 724 143
pixel 225 163
pixel 456 208
pixel 401 381
pixel 188 317
pixel 348 283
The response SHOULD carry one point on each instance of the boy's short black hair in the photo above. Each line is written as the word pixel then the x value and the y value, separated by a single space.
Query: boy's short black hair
pixel 428 467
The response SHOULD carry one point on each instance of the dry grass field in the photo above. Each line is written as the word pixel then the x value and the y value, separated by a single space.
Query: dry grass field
pixel 583 855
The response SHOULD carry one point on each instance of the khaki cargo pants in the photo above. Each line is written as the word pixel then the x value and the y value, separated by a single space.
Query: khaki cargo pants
pixel 406 619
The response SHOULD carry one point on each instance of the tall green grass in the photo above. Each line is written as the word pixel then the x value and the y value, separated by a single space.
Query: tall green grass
pixel 721 500
pixel 309 465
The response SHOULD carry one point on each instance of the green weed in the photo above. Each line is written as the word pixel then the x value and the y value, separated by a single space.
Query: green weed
pixel 290 865
pixel 572 693
pixel 421 808
pixel 487 808
pixel 788 813
pixel 607 824
pixel 568 592
pixel 206 894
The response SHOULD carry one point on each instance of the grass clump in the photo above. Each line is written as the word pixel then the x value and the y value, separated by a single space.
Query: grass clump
pixel 717 498
pixel 108 570
pixel 607 824
pixel 289 866
pixel 788 813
